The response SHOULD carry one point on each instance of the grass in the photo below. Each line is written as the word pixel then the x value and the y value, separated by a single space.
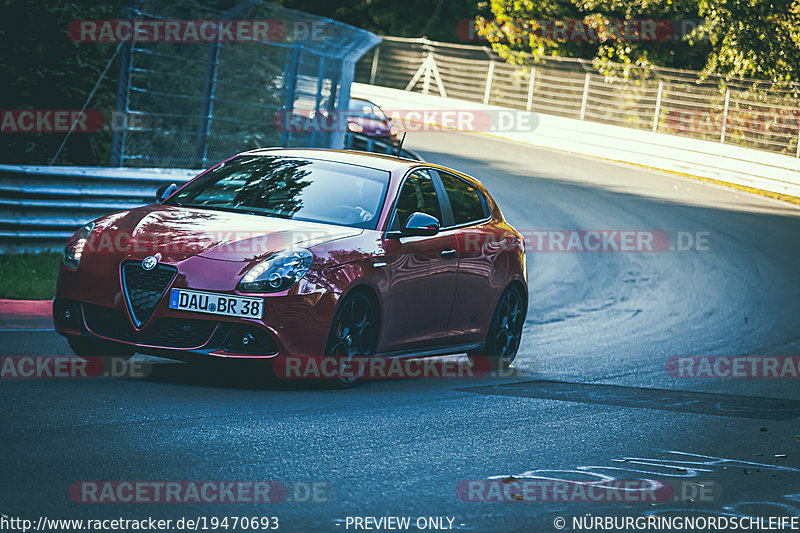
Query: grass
pixel 29 276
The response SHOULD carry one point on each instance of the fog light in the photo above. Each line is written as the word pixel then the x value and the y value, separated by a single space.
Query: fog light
pixel 67 313
pixel 249 340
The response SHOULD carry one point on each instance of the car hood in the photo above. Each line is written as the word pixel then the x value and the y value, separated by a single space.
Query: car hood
pixel 179 232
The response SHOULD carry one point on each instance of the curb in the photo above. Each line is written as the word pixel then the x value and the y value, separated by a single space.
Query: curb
pixel 26 314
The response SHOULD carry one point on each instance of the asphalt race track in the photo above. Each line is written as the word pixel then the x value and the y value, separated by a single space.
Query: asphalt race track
pixel 591 396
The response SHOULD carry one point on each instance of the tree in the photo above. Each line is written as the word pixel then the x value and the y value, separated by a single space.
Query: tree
pixel 435 19
pixel 753 38
pixel 45 69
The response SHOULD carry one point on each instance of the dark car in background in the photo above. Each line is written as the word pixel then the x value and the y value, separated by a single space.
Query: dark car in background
pixel 368 119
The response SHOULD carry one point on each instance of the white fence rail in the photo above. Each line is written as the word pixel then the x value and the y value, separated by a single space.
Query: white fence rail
pixel 742 113
pixel 709 159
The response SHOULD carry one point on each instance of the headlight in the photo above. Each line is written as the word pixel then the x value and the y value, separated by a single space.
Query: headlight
pixel 394 130
pixel 73 252
pixel 355 127
pixel 279 272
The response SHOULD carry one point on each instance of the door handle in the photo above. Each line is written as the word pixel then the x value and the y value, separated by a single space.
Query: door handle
pixel 449 254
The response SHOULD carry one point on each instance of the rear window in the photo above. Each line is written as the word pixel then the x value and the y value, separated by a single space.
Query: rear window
pixel 467 203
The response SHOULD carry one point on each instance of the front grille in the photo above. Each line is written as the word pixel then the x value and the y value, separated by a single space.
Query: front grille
pixel 180 333
pixel 166 332
pixel 144 288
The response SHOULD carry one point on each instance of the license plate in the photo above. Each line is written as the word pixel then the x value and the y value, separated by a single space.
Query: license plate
pixel 216 304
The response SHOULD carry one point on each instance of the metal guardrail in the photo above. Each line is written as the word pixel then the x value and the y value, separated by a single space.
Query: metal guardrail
pixel 41 206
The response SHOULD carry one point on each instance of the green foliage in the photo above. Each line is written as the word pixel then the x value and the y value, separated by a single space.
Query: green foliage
pixel 29 276
pixel 753 38
pixel 434 19
pixel 740 38
pixel 44 69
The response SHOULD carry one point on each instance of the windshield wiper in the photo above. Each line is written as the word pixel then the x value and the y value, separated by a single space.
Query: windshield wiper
pixel 235 210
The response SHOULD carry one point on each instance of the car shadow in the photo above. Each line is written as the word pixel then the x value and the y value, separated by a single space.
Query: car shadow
pixel 717 404
pixel 246 375
pixel 258 375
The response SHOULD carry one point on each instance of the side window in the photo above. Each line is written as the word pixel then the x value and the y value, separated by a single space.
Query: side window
pixel 467 204
pixel 417 194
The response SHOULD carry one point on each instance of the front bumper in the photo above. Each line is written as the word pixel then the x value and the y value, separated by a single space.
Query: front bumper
pixel 294 323
pixel 176 338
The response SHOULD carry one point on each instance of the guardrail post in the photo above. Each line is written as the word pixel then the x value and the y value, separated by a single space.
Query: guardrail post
pixel 725 116
pixel 373 73
pixel 798 144
pixel 585 96
pixel 530 89
pixel 489 76
pixel 658 106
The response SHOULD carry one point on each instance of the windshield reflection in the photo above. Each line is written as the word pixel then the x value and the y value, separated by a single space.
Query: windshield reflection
pixel 294 188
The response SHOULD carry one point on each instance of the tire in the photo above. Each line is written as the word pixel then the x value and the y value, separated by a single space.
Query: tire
pixel 97 348
pixel 354 333
pixel 505 331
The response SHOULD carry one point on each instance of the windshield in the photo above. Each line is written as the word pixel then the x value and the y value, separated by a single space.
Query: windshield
pixel 363 108
pixel 285 187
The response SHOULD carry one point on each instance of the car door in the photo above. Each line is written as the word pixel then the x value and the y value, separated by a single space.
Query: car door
pixel 422 271
pixel 478 253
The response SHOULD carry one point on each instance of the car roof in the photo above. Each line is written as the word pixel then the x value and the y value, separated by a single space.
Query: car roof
pixel 389 163
pixel 365 159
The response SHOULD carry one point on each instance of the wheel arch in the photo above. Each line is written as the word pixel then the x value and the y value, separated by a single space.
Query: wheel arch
pixel 364 287
pixel 523 290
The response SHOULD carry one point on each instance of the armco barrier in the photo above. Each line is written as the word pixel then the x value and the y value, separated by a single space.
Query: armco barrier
pixel 40 206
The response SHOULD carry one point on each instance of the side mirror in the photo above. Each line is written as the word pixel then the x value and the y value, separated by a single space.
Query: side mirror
pixel 417 225
pixel 165 191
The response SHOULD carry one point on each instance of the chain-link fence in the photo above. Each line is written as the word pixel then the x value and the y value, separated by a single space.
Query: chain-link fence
pixel 747 113
pixel 187 100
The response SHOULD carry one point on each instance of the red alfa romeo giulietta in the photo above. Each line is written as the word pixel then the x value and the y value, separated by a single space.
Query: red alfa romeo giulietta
pixel 300 253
